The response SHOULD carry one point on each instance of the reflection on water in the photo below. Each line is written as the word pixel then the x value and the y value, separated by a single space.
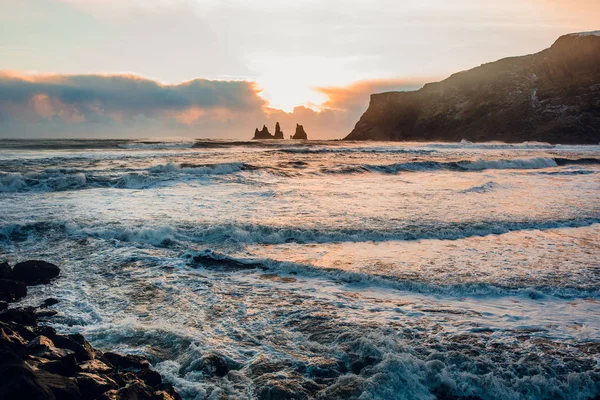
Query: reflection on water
pixel 333 270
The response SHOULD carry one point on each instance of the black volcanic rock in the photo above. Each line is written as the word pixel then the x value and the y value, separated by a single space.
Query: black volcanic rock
pixel 552 96
pixel 278 132
pixel 300 134
pixel 262 134
pixel 33 272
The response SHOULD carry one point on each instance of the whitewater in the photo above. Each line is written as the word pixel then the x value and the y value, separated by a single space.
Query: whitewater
pixel 326 269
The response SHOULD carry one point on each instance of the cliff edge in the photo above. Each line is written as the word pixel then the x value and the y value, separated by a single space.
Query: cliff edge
pixel 551 96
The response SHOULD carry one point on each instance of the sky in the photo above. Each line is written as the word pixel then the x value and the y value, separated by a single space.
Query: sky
pixel 220 68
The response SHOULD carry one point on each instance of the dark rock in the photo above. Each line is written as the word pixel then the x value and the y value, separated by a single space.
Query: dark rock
pixel 10 338
pixel 127 362
pixel 211 365
pixel 49 302
pixel 34 272
pixel 19 381
pixel 150 377
pixel 167 388
pixel 92 386
pixel 278 132
pixel 262 134
pixel 41 346
pixel 5 271
pixel 11 290
pixel 45 313
pixel 223 262
pixel 552 96
pixel 76 343
pixel 300 134
pixel 133 391
pixel 3 305
pixel 47 331
pixel 94 367
pixel 66 366
pixel 63 388
pixel 23 316
pixel 25 332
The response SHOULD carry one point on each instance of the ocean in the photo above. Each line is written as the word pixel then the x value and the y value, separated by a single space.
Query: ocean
pixel 320 269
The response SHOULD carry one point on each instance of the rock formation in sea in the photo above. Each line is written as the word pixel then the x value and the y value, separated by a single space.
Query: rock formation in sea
pixel 300 134
pixel 278 132
pixel 263 133
pixel 36 363
pixel 551 96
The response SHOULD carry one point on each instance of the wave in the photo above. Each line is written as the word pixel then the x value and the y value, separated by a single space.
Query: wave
pixel 320 150
pixel 63 179
pixel 158 145
pixel 213 260
pixel 463 165
pixel 248 234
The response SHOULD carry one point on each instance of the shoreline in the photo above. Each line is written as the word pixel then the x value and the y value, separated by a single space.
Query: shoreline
pixel 38 363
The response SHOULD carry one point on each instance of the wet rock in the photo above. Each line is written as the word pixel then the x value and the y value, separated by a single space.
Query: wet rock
pixel 127 362
pixel 23 316
pixel 93 386
pixel 19 381
pixel 94 366
pixel 211 365
pixel 261 366
pixel 45 313
pixel 5 271
pixel 49 302
pixel 41 346
pixel 66 366
pixel 76 343
pixel 34 272
pixel 11 290
pixel 62 387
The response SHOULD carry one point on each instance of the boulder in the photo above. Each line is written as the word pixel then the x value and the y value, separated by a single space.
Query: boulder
pixel 48 302
pixel 127 362
pixel 62 387
pixel 94 367
pixel 76 343
pixel 34 272
pixel 19 381
pixel 93 386
pixel 23 316
pixel 5 271
pixel 11 290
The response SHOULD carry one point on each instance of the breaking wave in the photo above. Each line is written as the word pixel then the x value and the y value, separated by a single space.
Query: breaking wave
pixel 60 179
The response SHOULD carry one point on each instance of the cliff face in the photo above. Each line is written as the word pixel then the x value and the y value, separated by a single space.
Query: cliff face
pixel 552 96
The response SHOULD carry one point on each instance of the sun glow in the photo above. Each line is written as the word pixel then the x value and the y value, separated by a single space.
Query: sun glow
pixel 288 82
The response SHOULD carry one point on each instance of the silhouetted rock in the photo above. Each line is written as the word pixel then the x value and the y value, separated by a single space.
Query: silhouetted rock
pixel 552 96
pixel 278 132
pixel 300 134
pixel 11 290
pixel 36 363
pixel 49 302
pixel 33 272
pixel 262 134
pixel 5 271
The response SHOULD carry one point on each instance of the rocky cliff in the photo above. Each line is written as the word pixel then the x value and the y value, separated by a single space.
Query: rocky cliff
pixel 551 96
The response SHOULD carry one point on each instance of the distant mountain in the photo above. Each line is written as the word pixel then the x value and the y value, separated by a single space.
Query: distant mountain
pixel 552 96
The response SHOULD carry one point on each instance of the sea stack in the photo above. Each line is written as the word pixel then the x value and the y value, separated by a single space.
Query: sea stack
pixel 278 132
pixel 262 134
pixel 300 134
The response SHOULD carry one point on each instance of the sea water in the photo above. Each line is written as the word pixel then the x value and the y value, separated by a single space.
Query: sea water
pixel 328 269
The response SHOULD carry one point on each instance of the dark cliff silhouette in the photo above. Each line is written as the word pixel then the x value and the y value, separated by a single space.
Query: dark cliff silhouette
pixel 300 134
pixel 552 96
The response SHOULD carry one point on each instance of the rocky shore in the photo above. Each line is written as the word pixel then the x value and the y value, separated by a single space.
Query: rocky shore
pixel 38 363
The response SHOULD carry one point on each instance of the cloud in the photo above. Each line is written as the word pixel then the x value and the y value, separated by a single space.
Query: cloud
pixel 129 105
